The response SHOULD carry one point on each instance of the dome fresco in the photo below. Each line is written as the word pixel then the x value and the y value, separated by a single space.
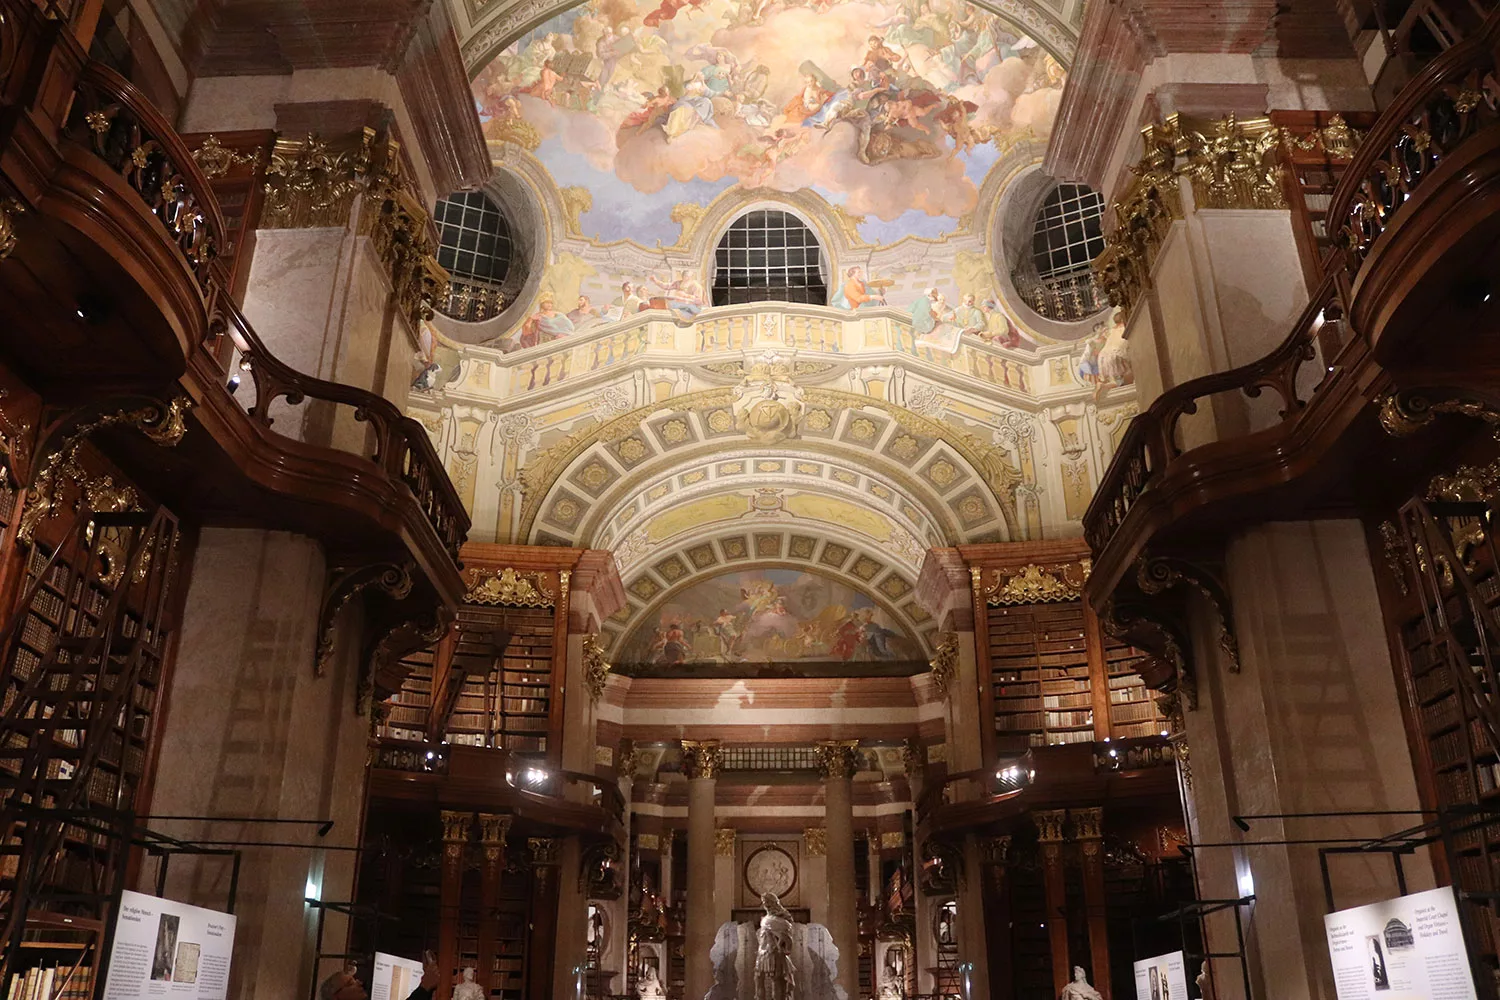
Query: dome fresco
pixel 893 112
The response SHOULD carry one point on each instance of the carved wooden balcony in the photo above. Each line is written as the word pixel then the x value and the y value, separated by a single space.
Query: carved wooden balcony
pixel 1403 305
pixel 113 284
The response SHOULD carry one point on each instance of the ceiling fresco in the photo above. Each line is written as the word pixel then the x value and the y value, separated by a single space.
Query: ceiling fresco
pixel 892 112
pixel 764 616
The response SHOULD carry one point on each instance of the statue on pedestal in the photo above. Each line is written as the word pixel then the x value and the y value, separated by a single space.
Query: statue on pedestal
pixel 467 989
pixel 648 986
pixel 774 975
pixel 1079 988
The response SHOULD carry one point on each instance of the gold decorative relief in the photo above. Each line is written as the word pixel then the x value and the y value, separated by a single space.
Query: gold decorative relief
pixel 944 663
pixel 312 183
pixel 1034 585
pixel 595 667
pixel 9 209
pixel 724 838
pixel 815 841
pixel 215 159
pixel 702 758
pixel 508 587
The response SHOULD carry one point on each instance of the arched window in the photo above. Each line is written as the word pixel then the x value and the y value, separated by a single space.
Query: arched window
pixel 476 248
pixel 768 256
pixel 1056 279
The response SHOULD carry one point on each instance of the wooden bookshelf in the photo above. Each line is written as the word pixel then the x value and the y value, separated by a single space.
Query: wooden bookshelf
pixel 1039 675
pixel 506 700
pixel 1132 705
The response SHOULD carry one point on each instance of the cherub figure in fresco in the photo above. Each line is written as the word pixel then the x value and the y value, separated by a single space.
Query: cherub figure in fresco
pixel 655 110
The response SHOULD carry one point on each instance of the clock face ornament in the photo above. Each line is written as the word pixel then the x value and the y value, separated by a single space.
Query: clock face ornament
pixel 770 869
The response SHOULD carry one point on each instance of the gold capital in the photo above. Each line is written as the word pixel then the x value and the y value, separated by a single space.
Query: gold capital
pixel 702 758
pixel 838 758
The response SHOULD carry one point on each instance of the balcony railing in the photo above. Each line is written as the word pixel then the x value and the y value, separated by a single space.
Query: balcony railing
pixel 1066 298
pixel 112 119
pixel 1303 364
pixel 1454 96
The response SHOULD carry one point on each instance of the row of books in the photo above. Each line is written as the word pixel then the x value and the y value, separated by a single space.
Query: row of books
pixel 1123 696
pixel 1141 711
pixel 58 982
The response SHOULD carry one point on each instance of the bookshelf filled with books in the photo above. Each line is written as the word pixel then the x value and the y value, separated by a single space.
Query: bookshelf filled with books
pixel 505 656
pixel 1039 676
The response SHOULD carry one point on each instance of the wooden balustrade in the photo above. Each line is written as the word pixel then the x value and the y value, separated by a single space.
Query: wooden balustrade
pixel 395 442
pixel 1451 99
pixel 115 120
pixel 1151 442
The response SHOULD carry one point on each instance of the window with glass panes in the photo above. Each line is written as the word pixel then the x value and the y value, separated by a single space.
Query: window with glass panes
pixel 1067 235
pixel 768 256
pixel 474 240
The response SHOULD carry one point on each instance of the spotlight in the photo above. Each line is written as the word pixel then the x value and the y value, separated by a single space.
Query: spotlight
pixel 1114 753
pixel 325 828
pixel 1247 884
pixel 1164 732
pixel 234 383
pixel 1239 821
pixel 91 309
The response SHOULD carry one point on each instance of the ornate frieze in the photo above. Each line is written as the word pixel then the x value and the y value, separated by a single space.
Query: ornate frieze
pixel 312 183
pixel 1229 162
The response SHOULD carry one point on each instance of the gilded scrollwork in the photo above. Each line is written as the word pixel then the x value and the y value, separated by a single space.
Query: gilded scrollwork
pixel 508 586
pixel 216 159
pixel 1157 576
pixel 311 183
pixel 162 423
pixel 1032 584
pixel 944 663
pixel 702 758
pixel 595 667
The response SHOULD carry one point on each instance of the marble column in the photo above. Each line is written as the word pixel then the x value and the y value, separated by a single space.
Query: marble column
pixel 1088 825
pixel 701 761
pixel 839 759
pixel 492 832
pixel 456 827
pixel 1049 827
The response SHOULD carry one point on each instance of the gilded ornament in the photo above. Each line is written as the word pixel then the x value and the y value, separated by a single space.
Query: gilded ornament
pixel 767 405
pixel 544 850
pixel 99 121
pixel 724 839
pixel 312 183
pixel 1396 557
pixel 493 829
pixel 595 667
pixel 1049 824
pixel 944 663
pixel 456 826
pixel 891 840
pixel 815 841
pixel 1088 824
pixel 837 758
pixel 9 209
pixel 1032 585
pixel 163 424
pixel 687 214
pixel 215 159
pixel 508 587
pixel 702 758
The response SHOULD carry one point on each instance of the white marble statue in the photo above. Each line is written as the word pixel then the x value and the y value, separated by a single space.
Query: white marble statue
pixel 1205 982
pixel 775 978
pixel 648 986
pixel 467 989
pixel 1079 988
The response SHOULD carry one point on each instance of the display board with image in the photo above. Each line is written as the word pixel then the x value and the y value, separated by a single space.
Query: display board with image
pixel 1162 977
pixel 166 948
pixel 1405 948
pixel 394 977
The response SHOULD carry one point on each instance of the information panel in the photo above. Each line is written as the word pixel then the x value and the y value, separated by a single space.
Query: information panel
pixel 394 977
pixel 163 948
pixel 1407 948
pixel 1161 978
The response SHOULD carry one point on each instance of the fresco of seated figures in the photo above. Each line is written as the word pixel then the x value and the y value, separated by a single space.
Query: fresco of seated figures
pixel 767 616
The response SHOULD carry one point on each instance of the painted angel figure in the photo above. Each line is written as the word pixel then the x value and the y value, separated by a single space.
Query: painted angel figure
pixel 774 975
